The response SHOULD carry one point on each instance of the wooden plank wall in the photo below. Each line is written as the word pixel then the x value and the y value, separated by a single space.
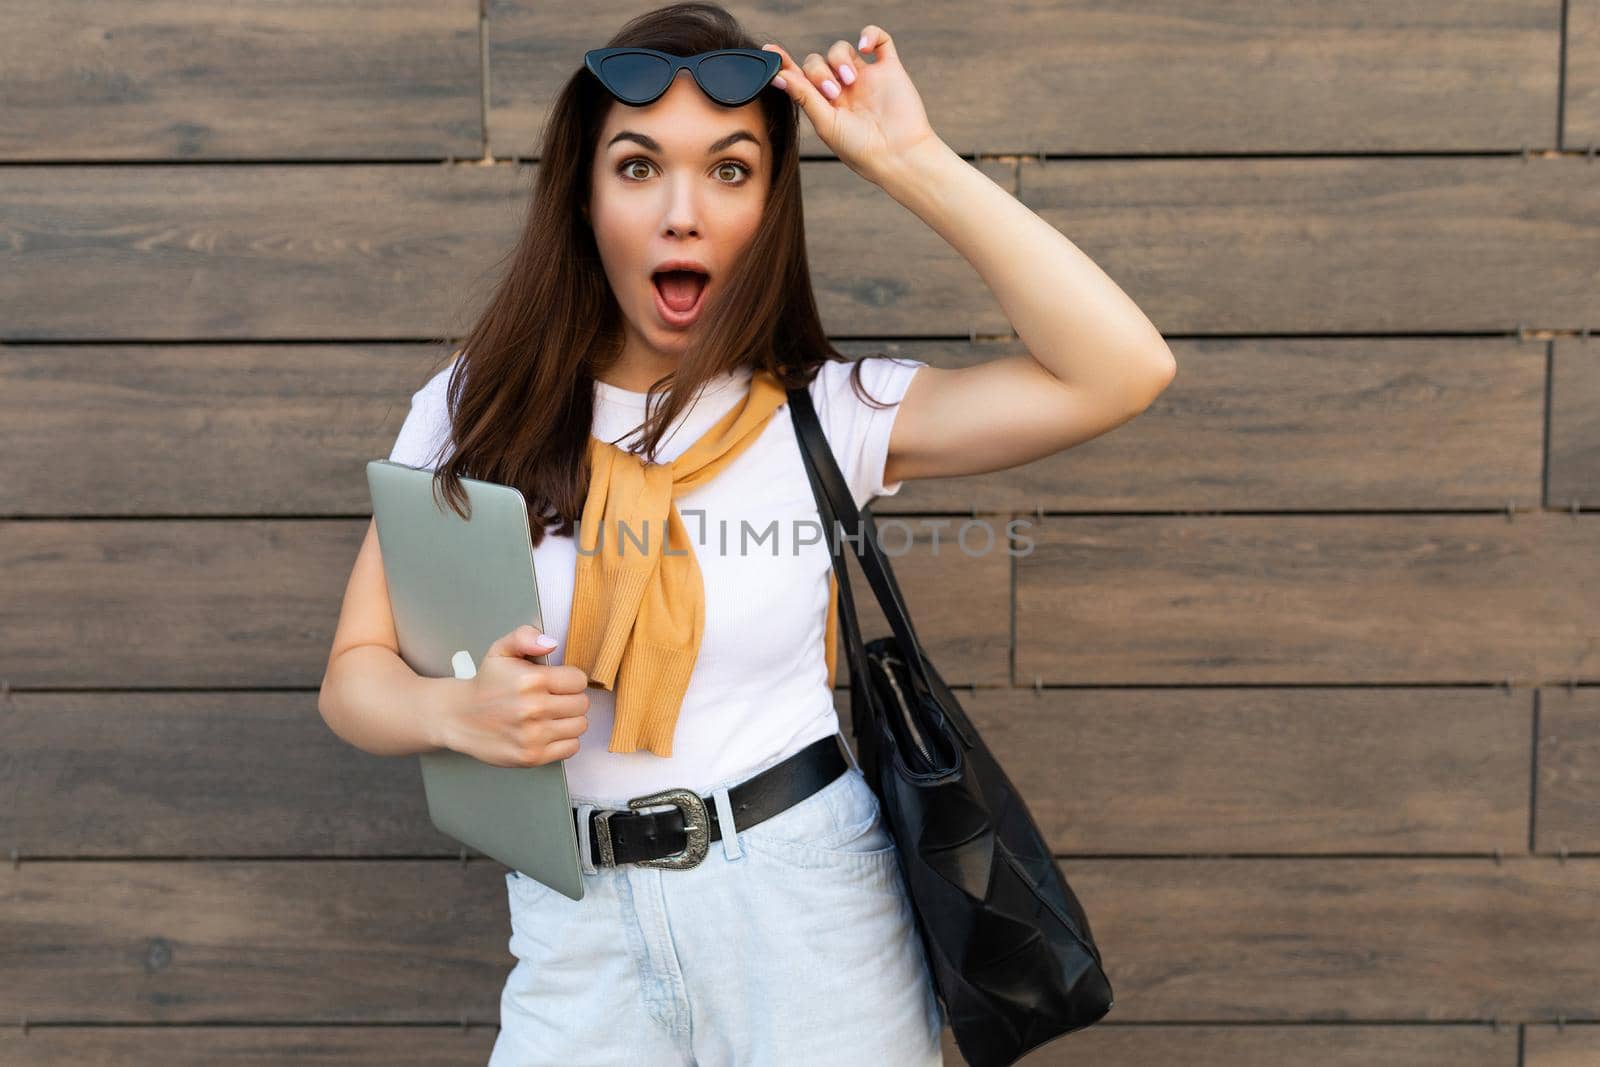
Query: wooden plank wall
pixel 1301 675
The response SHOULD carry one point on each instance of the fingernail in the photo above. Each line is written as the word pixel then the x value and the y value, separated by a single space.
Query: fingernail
pixel 830 89
pixel 847 74
pixel 861 44
pixel 777 79
pixel 545 641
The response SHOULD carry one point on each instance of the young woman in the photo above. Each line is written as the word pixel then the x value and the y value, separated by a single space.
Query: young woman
pixel 664 245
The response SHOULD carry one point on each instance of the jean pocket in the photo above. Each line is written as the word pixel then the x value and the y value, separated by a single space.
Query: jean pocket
pixel 841 823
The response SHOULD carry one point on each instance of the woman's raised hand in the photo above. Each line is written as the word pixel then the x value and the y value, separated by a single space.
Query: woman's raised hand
pixel 514 713
pixel 868 114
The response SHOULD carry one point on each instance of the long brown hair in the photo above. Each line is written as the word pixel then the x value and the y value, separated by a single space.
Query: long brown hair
pixel 521 393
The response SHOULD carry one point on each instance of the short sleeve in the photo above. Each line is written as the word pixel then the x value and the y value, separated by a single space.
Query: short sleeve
pixel 857 431
pixel 425 435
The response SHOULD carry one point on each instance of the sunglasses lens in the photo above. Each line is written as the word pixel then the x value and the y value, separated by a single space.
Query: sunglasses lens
pixel 732 79
pixel 633 76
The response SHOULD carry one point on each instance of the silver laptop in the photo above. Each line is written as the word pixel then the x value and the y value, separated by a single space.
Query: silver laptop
pixel 456 586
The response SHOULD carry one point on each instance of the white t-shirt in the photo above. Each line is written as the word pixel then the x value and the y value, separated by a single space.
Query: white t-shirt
pixel 759 691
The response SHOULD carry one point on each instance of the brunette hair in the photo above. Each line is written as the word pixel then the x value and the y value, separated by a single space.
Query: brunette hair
pixel 521 392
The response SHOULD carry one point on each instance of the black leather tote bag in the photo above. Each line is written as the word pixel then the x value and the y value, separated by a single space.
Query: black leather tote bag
pixel 1007 940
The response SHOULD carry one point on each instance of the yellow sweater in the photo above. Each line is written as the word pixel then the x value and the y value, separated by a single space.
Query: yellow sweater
pixel 638 613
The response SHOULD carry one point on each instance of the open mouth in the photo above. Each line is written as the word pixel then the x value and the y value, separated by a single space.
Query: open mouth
pixel 679 295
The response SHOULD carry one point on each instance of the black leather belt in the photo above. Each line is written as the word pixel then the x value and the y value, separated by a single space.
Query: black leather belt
pixel 680 837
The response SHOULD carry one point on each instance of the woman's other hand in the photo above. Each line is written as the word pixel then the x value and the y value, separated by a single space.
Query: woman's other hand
pixel 868 114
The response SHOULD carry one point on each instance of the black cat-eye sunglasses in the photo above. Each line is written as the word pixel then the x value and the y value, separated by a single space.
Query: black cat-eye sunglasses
pixel 637 76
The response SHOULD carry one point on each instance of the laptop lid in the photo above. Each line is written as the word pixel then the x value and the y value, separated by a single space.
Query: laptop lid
pixel 460 585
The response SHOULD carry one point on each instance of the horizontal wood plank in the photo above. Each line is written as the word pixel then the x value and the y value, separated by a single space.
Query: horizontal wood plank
pixel 60 1045
pixel 1184 940
pixel 1574 479
pixel 209 80
pixel 269 429
pixel 1105 1045
pixel 402 941
pixel 1288 423
pixel 1386 244
pixel 1153 772
pixel 958 588
pixel 1310 599
pixel 1111 1044
pixel 244 774
pixel 1568 771
pixel 1565 1044
pixel 1582 110
pixel 254 602
pixel 1172 77
pixel 1404 244
pixel 1258 771
pixel 252 252
pixel 202 430
pixel 277 252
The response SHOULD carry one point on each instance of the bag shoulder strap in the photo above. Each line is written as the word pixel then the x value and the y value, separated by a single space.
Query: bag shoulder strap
pixel 839 511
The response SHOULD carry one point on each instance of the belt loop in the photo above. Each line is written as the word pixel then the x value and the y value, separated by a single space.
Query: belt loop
pixel 585 846
pixel 730 832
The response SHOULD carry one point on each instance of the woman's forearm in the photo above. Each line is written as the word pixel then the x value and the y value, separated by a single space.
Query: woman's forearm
pixel 1067 312
pixel 374 701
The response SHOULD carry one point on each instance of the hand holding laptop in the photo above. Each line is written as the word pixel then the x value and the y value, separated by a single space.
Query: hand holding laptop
pixel 517 713
pixel 462 585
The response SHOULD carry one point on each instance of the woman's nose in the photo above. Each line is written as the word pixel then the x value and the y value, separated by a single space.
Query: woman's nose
pixel 682 214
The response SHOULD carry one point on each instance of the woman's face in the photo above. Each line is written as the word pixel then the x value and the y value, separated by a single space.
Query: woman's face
pixel 684 179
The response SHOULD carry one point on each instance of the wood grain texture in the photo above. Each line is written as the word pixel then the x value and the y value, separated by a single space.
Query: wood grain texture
pixel 1345 940
pixel 254 602
pixel 1574 479
pixel 170 252
pixel 58 1045
pixel 1363 244
pixel 1185 940
pixel 386 252
pixel 1249 1045
pixel 212 80
pixel 1265 1045
pixel 1301 771
pixel 1562 1045
pixel 1174 76
pixel 400 941
pixel 1310 600
pixel 1582 105
pixel 401 251
pixel 202 430
pixel 1292 771
pixel 1318 732
pixel 191 774
pixel 1248 425
pixel 955 576
pixel 1567 818
pixel 1290 423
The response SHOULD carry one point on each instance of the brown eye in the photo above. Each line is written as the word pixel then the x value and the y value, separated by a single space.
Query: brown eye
pixel 628 165
pixel 737 166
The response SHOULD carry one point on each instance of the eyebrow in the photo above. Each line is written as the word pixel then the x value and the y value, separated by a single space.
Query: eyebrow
pixel 716 146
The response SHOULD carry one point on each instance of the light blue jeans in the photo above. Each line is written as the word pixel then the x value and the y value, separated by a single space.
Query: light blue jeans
pixel 793 942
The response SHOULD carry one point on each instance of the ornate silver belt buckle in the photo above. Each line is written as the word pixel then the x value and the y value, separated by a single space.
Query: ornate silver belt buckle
pixel 602 835
pixel 696 824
